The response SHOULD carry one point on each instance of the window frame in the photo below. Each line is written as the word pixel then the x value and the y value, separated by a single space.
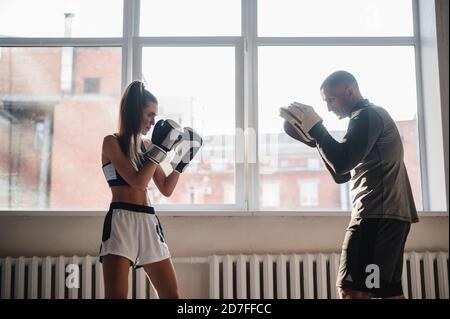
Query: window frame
pixel 431 140
pixel 433 189
pixel 139 43
pixel 132 69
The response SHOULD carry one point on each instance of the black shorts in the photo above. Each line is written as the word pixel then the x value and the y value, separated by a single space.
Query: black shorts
pixel 372 256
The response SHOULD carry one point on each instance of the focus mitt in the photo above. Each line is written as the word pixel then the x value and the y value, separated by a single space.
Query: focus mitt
pixel 292 132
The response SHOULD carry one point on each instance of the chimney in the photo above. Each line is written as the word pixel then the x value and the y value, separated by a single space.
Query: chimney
pixel 67 57
pixel 68 24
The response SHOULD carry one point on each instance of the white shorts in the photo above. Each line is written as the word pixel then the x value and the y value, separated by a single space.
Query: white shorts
pixel 134 232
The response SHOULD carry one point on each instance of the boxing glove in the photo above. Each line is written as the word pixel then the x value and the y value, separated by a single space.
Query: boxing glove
pixel 166 134
pixel 186 149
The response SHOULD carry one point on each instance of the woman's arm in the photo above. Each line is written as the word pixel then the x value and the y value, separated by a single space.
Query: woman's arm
pixel 165 184
pixel 138 179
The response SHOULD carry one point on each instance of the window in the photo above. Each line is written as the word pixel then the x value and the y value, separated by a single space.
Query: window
pixel 271 195
pixel 280 66
pixel 313 163
pixel 49 132
pixel 61 18
pixel 223 67
pixel 284 163
pixel 191 194
pixel 190 18
pixel 303 18
pixel 345 197
pixel 228 193
pixel 92 85
pixel 309 193
pixel 290 69
pixel 196 86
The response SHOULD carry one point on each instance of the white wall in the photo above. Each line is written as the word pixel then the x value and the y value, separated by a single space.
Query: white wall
pixel 204 235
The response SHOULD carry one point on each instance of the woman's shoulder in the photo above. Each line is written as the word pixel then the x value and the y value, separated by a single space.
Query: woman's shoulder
pixel 111 136
pixel 110 139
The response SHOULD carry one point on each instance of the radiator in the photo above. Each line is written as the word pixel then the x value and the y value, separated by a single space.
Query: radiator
pixel 297 276
pixel 313 276
pixel 63 278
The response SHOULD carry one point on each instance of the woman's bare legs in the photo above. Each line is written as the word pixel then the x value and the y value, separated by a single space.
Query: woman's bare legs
pixel 163 277
pixel 115 276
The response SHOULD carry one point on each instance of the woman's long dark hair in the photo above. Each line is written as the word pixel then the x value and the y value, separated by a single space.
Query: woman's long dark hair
pixel 132 104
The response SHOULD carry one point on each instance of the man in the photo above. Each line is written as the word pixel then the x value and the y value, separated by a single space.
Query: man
pixel 370 156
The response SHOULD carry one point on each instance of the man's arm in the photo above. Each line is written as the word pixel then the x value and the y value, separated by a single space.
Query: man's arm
pixel 339 179
pixel 363 131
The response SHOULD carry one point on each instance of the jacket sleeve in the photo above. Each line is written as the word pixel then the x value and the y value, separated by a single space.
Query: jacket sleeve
pixel 339 179
pixel 363 131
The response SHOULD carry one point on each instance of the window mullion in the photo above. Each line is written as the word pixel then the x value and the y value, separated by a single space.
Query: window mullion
pixel 249 33
pixel 420 111
pixel 130 30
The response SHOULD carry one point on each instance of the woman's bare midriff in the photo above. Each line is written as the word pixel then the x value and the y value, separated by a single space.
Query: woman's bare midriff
pixel 127 194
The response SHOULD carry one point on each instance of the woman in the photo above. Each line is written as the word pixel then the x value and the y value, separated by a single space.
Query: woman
pixel 132 233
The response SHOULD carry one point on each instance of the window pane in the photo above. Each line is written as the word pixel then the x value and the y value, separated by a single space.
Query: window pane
pixel 271 194
pixel 386 76
pixel 61 18
pixel 196 88
pixel 309 192
pixel 290 18
pixel 52 132
pixel 190 18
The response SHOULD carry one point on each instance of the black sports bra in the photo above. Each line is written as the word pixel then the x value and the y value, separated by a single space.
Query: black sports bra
pixel 112 175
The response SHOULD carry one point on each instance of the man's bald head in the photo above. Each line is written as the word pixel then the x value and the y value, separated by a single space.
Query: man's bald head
pixel 340 91
pixel 338 79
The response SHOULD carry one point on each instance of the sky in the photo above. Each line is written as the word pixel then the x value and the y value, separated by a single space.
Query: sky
pixel 45 18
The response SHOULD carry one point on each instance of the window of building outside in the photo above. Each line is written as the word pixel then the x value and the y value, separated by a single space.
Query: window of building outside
pixel 309 193
pixel 271 194
pixel 92 85
pixel 313 163
pixel 228 193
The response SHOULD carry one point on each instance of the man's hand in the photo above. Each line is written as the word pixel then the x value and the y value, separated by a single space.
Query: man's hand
pixel 305 114
pixel 300 118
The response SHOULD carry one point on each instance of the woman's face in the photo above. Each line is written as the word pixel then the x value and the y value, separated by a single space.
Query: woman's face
pixel 148 117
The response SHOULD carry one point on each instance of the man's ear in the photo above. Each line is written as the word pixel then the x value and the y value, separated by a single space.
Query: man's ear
pixel 349 90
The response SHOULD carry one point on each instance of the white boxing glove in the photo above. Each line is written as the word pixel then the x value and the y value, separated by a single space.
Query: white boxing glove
pixel 302 118
pixel 186 149
pixel 166 134
pixel 306 114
